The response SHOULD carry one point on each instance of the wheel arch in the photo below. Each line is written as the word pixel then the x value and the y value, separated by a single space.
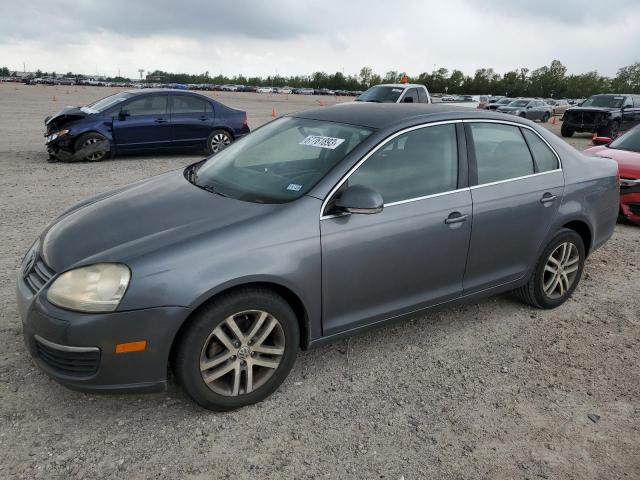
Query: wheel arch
pixel 291 297
pixel 583 229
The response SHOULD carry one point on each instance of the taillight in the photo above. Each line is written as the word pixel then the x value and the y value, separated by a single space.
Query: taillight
pixel 245 122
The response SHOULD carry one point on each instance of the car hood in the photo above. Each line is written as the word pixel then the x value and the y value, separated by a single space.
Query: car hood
pixel 510 109
pixel 66 114
pixel 139 219
pixel 592 109
pixel 628 162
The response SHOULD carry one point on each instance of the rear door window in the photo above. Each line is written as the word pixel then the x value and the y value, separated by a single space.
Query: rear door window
pixel 543 156
pixel 187 104
pixel 501 152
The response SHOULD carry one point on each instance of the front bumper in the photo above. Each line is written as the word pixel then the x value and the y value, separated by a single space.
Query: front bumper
pixel 78 349
pixel 630 204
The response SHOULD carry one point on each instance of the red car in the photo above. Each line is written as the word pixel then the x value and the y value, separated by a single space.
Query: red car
pixel 626 151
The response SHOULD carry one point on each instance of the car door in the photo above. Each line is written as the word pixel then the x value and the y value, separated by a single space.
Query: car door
pixel 192 119
pixel 413 253
pixel 629 114
pixel 143 122
pixel 517 186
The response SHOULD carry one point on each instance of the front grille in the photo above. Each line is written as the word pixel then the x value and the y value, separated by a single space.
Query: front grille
pixel 37 274
pixel 584 118
pixel 69 361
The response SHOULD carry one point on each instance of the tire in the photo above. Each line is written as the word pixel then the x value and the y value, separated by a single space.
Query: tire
pixel 534 292
pixel 87 139
pixel 218 140
pixel 566 132
pixel 612 130
pixel 203 343
pixel 545 118
pixel 523 115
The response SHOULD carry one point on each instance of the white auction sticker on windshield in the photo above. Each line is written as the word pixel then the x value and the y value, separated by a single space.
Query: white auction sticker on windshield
pixel 322 142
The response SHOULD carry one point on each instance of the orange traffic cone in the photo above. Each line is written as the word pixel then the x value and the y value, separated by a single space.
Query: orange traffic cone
pixel 273 112
pixel 593 137
pixel 553 120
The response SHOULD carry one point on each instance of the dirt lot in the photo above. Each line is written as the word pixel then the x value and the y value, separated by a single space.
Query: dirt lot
pixel 494 390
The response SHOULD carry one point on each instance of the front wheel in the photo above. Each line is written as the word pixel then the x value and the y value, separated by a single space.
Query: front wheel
pixel 545 118
pixel 557 272
pixel 238 349
pixel 612 130
pixel 87 147
pixel 218 140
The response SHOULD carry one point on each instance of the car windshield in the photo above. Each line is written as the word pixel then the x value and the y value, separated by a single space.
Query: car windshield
pixel 606 101
pixel 107 102
pixel 381 94
pixel 279 162
pixel 630 141
pixel 504 101
pixel 519 103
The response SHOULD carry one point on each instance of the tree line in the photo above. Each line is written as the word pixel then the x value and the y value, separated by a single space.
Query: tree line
pixel 547 81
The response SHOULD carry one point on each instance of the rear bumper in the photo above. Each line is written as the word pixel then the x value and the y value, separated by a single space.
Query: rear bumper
pixel 78 350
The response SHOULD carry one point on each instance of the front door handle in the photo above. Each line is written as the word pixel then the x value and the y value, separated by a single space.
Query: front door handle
pixel 455 217
pixel 160 120
pixel 203 118
pixel 548 198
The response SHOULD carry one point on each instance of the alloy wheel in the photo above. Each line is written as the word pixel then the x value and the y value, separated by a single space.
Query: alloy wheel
pixel 560 270
pixel 242 353
pixel 219 142
pixel 94 156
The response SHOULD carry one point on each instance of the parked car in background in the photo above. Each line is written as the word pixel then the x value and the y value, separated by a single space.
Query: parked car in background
pixel 395 93
pixel 229 88
pixel 606 115
pixel 504 101
pixel 283 90
pixel 317 226
pixel 625 150
pixel 559 106
pixel 142 120
pixel 305 91
pixel 264 90
pixel 529 108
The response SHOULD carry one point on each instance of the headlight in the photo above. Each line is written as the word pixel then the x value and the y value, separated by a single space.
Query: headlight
pixel 57 135
pixel 95 288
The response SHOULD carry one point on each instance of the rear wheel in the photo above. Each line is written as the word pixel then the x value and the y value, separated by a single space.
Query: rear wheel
pixel 566 132
pixel 545 118
pixel 218 140
pixel 557 272
pixel 238 349
pixel 85 142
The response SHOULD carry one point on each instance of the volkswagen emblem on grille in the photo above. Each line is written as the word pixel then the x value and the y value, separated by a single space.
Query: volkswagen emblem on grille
pixel 29 262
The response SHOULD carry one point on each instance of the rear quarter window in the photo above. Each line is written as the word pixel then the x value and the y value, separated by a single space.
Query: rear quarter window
pixel 543 156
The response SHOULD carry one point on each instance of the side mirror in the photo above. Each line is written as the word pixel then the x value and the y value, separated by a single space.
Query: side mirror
pixel 601 140
pixel 408 100
pixel 123 114
pixel 360 199
pixel 529 107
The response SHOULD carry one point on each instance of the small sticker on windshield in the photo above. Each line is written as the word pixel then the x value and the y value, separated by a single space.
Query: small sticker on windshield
pixel 322 142
pixel 397 90
pixel 294 187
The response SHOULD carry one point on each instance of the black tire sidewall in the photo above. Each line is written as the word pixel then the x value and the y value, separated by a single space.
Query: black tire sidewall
pixel 562 236
pixel 187 362
pixel 83 138
pixel 210 137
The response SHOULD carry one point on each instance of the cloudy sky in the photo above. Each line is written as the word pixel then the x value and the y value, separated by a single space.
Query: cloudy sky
pixel 254 37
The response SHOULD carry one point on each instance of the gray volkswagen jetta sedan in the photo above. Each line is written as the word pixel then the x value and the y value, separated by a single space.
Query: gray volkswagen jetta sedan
pixel 317 225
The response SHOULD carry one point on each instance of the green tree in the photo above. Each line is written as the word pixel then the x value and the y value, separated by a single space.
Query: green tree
pixel 365 75
pixel 627 80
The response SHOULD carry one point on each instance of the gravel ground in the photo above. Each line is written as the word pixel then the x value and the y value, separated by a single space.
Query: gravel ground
pixel 493 390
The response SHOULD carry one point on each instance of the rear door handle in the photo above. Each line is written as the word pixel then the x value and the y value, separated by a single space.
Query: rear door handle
pixel 548 198
pixel 203 118
pixel 160 120
pixel 455 217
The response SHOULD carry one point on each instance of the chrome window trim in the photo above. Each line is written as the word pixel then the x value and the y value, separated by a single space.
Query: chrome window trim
pixel 382 143
pixel 473 187
pixel 64 348
pixel 417 199
pixel 515 124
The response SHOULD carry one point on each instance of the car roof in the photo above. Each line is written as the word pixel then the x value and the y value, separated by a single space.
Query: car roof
pixel 382 115
pixel 399 85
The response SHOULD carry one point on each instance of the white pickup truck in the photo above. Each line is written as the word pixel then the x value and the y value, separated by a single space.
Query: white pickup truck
pixel 396 93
